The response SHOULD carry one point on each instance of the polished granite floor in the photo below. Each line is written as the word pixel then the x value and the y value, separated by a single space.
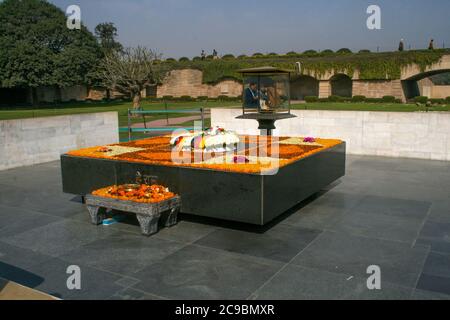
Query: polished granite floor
pixel 393 213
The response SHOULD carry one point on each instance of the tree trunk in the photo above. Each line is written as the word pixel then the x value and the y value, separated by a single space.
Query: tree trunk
pixel 58 96
pixel 137 100
pixel 34 97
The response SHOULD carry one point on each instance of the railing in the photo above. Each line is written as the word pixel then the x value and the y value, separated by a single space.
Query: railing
pixel 132 112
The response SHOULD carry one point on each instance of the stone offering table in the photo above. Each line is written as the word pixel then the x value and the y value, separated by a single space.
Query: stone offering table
pixel 148 214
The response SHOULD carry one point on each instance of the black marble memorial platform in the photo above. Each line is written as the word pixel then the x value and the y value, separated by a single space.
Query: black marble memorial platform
pixel 243 197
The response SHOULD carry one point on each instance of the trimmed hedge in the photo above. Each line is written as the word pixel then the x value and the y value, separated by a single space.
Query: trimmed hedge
pixel 184 59
pixel 390 99
pixel 185 98
pixel 311 99
pixel 437 101
pixel 333 98
pixel 358 98
pixel 421 99
pixel 227 98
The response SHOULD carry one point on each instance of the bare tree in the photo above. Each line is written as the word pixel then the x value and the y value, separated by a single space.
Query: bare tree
pixel 130 71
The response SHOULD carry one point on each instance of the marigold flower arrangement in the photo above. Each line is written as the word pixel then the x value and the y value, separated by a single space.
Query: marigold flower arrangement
pixel 158 151
pixel 138 193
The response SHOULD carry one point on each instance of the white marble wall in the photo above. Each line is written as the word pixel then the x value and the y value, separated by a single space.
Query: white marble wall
pixel 36 140
pixel 392 134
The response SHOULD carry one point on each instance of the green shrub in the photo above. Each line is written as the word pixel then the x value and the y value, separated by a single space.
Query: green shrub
pixel 228 56
pixel 333 98
pixel 327 51
pixel 437 101
pixel 196 58
pixel 374 100
pixel 310 52
pixel 389 99
pixel 311 99
pixel 272 54
pixel 242 56
pixel 224 98
pixel 202 98
pixel 167 98
pixel 152 99
pixel 344 51
pixel 185 98
pixel 421 99
pixel 364 51
pixel 291 53
pixel 447 100
pixel 257 54
pixel 184 59
pixel 324 100
pixel 170 60
pixel 358 98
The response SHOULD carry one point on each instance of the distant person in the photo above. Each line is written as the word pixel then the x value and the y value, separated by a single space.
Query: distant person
pixel 251 97
pixel 431 45
pixel 203 55
pixel 401 45
pixel 215 56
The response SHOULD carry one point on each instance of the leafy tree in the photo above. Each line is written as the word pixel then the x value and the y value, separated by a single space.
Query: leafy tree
pixel 106 34
pixel 344 51
pixel 228 56
pixel 131 70
pixel 37 48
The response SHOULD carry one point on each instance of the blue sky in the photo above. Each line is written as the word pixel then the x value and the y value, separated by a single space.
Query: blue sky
pixel 183 27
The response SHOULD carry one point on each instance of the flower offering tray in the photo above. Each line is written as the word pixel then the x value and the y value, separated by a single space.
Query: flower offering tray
pixel 148 214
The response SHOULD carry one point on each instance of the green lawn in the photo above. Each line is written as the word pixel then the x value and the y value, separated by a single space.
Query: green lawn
pixel 120 107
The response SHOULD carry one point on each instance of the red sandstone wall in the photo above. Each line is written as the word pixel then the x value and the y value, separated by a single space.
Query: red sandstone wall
pixel 378 88
pixel 189 82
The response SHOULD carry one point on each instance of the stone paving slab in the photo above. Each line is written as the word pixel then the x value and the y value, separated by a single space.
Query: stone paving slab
pixel 394 213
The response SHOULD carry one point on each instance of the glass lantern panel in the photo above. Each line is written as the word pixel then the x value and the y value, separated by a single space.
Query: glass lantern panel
pixel 266 93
